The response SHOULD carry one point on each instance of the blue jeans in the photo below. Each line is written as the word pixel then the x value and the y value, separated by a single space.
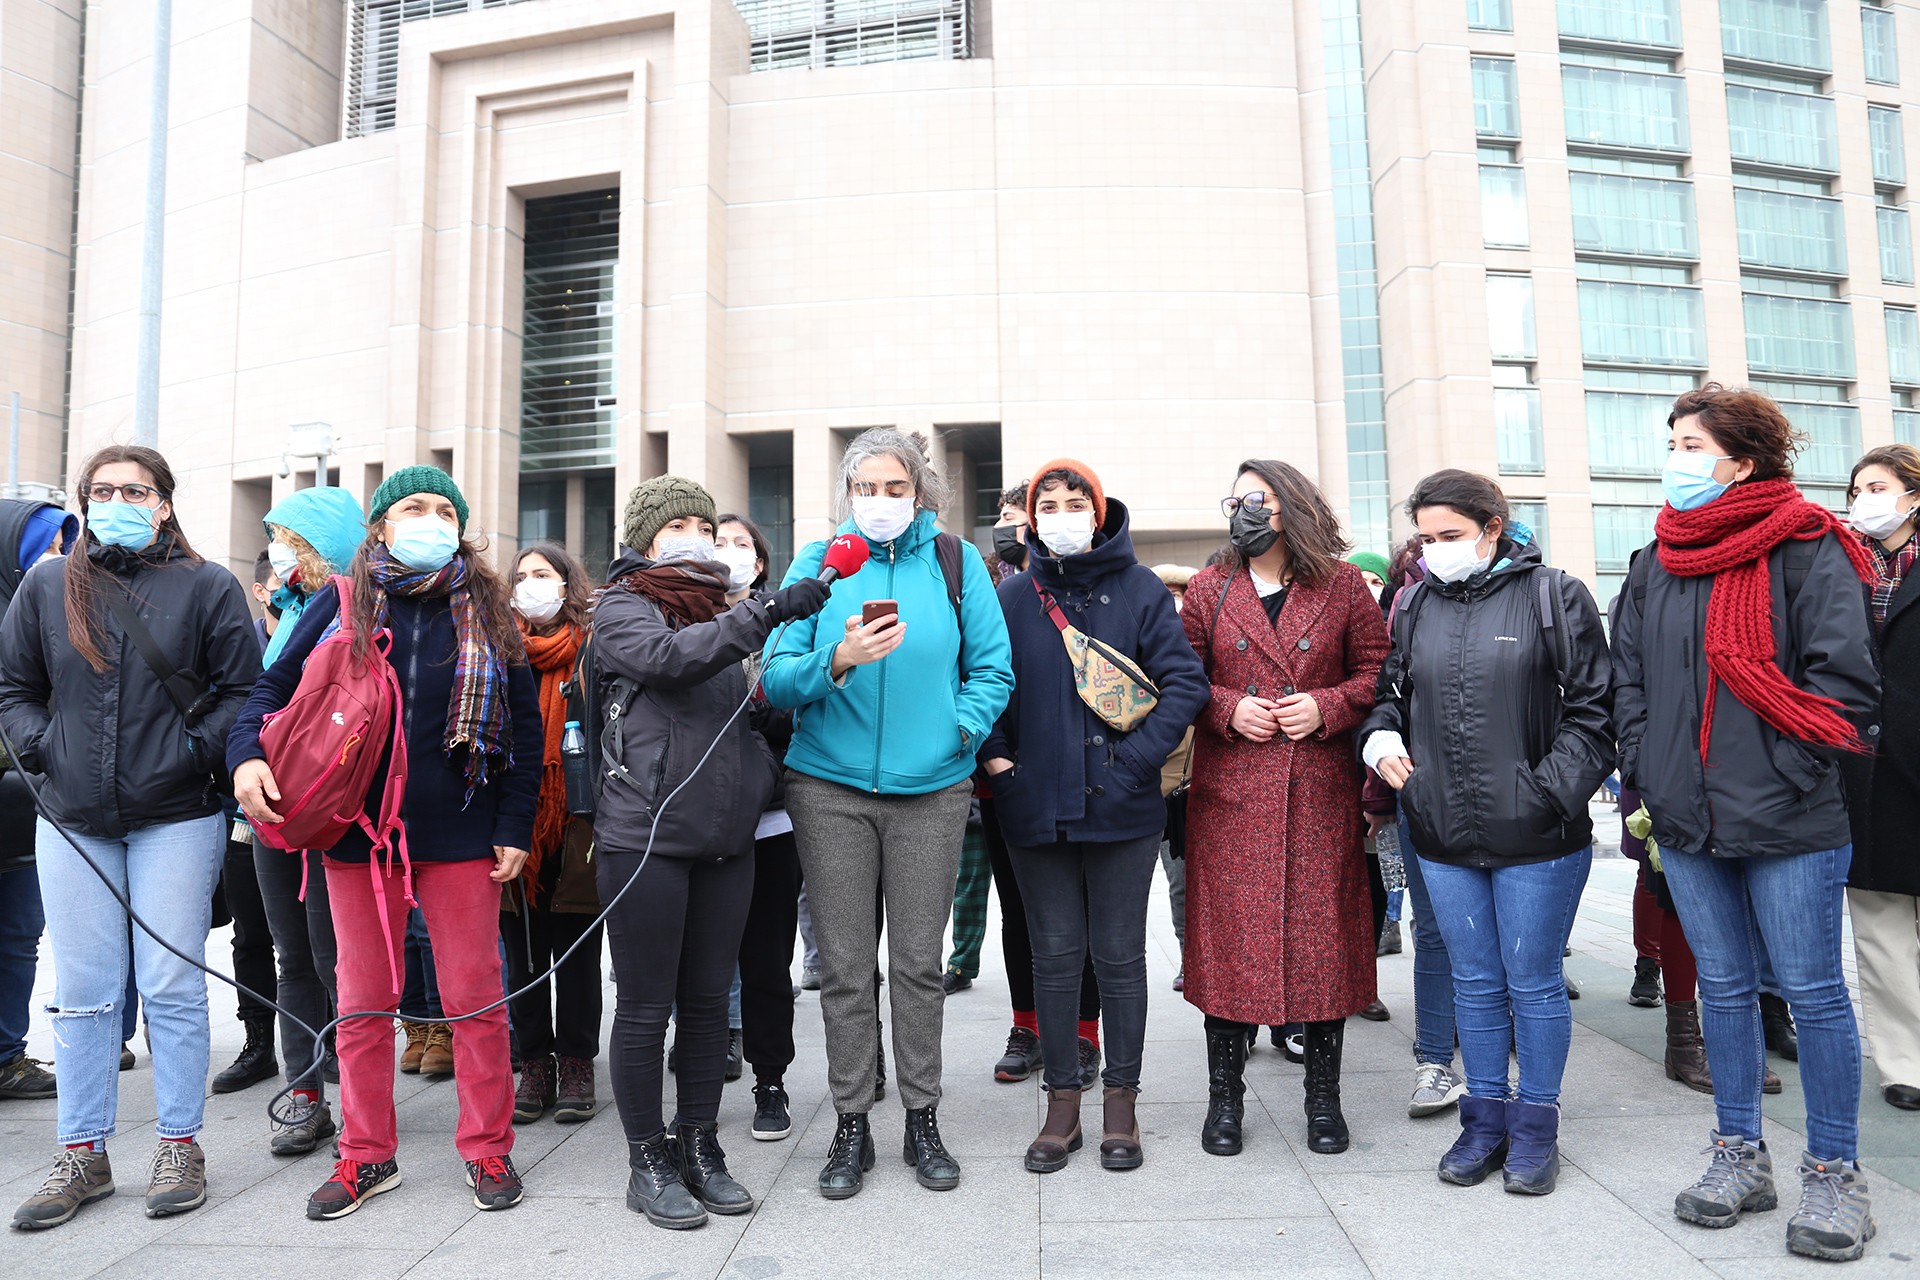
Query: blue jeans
pixel 21 924
pixel 1505 928
pixel 1433 1019
pixel 168 873
pixel 1729 908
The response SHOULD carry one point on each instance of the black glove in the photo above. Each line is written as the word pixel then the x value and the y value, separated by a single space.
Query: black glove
pixel 801 600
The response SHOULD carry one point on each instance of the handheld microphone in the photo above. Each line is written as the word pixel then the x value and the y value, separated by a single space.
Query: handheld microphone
pixel 845 556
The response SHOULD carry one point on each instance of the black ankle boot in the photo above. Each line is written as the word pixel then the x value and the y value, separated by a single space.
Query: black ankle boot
pixel 850 1157
pixel 256 1061
pixel 703 1167
pixel 654 1188
pixel 932 1166
pixel 1776 1020
pixel 1326 1126
pixel 1226 1091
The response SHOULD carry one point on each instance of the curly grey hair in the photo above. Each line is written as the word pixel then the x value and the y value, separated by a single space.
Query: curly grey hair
pixel 931 490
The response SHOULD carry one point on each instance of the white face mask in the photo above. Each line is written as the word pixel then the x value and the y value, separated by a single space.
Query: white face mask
pixel 882 519
pixel 1455 561
pixel 742 566
pixel 284 560
pixel 1375 590
pixel 682 546
pixel 1878 515
pixel 537 599
pixel 1066 533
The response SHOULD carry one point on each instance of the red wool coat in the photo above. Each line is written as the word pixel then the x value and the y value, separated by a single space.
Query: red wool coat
pixel 1279 916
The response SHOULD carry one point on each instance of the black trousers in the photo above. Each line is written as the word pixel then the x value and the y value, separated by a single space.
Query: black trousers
pixel 252 939
pixel 303 941
pixel 676 939
pixel 1016 942
pixel 766 958
pixel 561 1015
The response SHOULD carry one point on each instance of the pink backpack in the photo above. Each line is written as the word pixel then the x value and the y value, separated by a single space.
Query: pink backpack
pixel 324 746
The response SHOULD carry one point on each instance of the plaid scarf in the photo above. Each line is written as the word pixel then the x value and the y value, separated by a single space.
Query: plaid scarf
pixel 1891 570
pixel 477 713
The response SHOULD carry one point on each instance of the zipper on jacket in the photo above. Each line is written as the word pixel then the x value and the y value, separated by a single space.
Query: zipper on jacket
pixel 880 707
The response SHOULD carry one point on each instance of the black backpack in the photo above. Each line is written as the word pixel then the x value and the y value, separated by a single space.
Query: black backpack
pixel 600 701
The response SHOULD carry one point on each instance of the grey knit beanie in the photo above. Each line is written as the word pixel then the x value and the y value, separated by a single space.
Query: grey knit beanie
pixel 655 502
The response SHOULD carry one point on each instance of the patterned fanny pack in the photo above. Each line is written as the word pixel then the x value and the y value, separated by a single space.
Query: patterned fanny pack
pixel 1111 685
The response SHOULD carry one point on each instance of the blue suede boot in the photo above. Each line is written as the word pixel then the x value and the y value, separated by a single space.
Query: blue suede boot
pixel 1482 1143
pixel 1533 1148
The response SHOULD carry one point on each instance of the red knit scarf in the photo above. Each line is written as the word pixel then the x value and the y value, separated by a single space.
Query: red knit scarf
pixel 1730 539
pixel 552 656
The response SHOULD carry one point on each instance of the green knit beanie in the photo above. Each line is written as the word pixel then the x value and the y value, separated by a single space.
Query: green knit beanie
pixel 1371 561
pixel 408 481
pixel 654 502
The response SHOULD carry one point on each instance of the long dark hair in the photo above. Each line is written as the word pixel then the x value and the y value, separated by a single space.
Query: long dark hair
pixel 491 599
pixel 83 619
pixel 1308 527
pixel 578 598
pixel 1472 495
pixel 761 551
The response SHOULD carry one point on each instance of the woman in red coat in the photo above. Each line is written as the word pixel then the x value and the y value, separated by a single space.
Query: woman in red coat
pixel 1279 916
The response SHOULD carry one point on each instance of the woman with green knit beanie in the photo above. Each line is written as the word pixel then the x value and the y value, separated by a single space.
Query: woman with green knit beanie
pixel 664 634
pixel 470 710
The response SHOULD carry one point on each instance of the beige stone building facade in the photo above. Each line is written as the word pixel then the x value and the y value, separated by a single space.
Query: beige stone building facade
pixel 561 245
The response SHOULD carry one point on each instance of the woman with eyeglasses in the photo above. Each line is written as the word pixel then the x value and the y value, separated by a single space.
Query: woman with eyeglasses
pixel 129 776
pixel 1279 910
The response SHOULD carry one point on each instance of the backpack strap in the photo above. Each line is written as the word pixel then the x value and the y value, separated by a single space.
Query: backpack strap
pixel 190 694
pixel 1553 620
pixel 946 548
pixel 1398 669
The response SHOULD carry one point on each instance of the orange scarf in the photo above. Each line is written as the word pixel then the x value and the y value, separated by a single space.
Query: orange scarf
pixel 553 657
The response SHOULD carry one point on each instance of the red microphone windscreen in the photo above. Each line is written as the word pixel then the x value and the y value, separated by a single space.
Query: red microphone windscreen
pixel 845 555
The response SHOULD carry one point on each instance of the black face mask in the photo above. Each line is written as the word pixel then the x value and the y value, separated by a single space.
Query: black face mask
pixel 1007 545
pixel 1252 536
pixel 273 611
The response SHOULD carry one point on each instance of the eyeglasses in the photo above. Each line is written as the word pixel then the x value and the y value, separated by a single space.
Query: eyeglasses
pixel 1252 498
pixel 137 494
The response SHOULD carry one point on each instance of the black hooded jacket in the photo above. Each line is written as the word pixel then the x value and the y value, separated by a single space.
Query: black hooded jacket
pixel 112 744
pixel 1506 754
pixel 16 802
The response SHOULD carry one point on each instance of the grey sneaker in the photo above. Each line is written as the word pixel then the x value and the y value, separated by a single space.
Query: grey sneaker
pixel 1740 1180
pixel 1436 1086
pixel 24 1077
pixel 80 1176
pixel 810 977
pixel 1835 1218
pixel 179 1179
pixel 308 1124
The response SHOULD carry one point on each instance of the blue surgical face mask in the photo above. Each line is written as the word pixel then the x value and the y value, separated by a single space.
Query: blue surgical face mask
pixel 1688 479
pixel 120 524
pixel 424 543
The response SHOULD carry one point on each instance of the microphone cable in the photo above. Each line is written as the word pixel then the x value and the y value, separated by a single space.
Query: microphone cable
pixel 286 1115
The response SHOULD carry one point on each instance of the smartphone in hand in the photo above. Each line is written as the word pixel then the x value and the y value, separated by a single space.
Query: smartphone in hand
pixel 874 610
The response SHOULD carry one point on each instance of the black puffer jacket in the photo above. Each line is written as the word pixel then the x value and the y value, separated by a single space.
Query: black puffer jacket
pixel 1883 790
pixel 692 679
pixel 16 801
pixel 1761 793
pixel 1504 759
pixel 112 744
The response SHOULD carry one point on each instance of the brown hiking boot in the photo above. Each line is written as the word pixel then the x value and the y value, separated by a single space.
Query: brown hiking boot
pixel 535 1092
pixel 80 1176
pixel 437 1058
pixel 1120 1141
pixel 576 1102
pixel 179 1179
pixel 1686 1053
pixel 1059 1136
pixel 416 1046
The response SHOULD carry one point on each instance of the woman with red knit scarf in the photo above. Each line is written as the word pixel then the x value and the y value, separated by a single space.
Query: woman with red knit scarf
pixel 1743 673
pixel 549 908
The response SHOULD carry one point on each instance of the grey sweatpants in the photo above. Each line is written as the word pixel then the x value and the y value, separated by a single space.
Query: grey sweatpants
pixel 906 850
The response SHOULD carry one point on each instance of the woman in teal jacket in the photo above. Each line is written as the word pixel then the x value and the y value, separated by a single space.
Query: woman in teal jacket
pixel 888 715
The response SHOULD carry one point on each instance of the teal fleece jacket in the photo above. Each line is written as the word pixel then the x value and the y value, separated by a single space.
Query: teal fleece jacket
pixel 910 723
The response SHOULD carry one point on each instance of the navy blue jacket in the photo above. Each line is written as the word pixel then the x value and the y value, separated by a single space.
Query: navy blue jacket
pixel 1106 786
pixel 441 825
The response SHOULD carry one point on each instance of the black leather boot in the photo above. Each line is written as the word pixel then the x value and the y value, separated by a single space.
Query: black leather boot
pixel 933 1167
pixel 1776 1020
pixel 256 1061
pixel 848 1159
pixel 655 1189
pixel 1326 1126
pixel 703 1167
pixel 1226 1091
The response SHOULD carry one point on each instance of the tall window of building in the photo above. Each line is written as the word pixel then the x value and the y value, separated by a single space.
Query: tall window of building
pixel 1496 98
pixel 1791 334
pixel 1661 323
pixel 1880 42
pixel 1503 198
pixel 1903 347
pixel 572 247
pixel 1516 416
pixel 833 33
pixel 1533 513
pixel 1626 449
pixel 1888 142
pixel 1621 209
pixel 1490 15
pixel 1782 129
pixel 1784 227
pixel 1510 316
pixel 1630 110
pixel 770 497
pixel 1366 408
pixel 1629 22
pixel 373 54
pixel 1896 240
pixel 1785 33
